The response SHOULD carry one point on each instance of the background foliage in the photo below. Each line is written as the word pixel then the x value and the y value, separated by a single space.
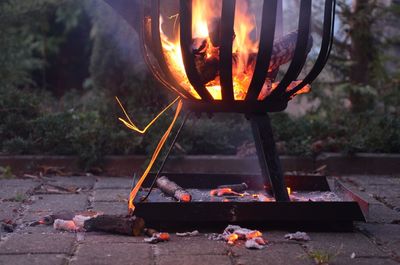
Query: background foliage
pixel 62 63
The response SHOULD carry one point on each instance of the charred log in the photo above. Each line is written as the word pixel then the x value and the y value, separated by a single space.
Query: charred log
pixel 207 55
pixel 116 224
pixel 172 189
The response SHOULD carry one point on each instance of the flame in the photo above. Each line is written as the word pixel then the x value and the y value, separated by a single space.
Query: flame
pixel 232 238
pixel 205 11
pixel 289 190
pixel 133 193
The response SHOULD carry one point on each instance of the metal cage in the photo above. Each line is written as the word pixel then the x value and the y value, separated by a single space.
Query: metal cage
pixel 271 13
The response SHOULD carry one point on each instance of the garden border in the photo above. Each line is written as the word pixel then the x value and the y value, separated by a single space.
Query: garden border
pixel 336 164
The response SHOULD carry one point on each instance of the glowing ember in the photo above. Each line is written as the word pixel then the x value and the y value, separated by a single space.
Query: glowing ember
pixel 232 238
pixel 224 192
pixel 253 234
pixel 185 198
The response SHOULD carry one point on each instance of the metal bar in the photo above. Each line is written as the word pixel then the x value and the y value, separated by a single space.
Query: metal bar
pixel 268 157
pixel 300 53
pixel 147 45
pixel 185 19
pixel 166 157
pixel 158 50
pixel 225 63
pixel 265 49
pixel 327 40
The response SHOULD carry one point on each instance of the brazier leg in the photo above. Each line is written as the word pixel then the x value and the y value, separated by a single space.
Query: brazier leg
pixel 268 157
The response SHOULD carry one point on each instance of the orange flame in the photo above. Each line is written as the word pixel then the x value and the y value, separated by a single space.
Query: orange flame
pixel 232 238
pixel 289 190
pixel 133 193
pixel 205 11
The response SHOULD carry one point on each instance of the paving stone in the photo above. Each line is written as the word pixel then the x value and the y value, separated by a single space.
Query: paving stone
pixel 115 253
pixel 8 210
pixel 113 183
pixel 362 261
pixel 199 245
pixel 111 207
pixel 83 182
pixel 38 243
pixel 15 188
pixel 380 213
pixel 111 195
pixel 393 202
pixel 368 180
pixel 56 203
pixel 273 254
pixel 386 235
pixel 344 244
pixel 33 259
pixel 193 260
pixel 95 238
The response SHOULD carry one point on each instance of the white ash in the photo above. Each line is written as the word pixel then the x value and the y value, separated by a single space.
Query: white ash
pixel 254 243
pixel 188 234
pixel 298 236
pixel 315 196
pixel 235 229
pixel 65 225
pixel 215 237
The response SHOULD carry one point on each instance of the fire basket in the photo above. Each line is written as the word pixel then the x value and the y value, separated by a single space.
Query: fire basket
pixel 223 56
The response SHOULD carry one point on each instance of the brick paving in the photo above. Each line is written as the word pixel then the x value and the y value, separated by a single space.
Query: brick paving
pixel 375 242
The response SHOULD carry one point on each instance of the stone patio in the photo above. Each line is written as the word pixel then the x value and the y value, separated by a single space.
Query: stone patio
pixel 375 242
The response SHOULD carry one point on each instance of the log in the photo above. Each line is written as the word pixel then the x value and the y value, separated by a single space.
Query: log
pixel 116 224
pixel 207 66
pixel 172 189
pixel 235 187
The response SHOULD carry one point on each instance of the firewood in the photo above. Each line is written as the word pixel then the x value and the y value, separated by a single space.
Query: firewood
pixel 208 64
pixel 235 187
pixel 172 189
pixel 116 224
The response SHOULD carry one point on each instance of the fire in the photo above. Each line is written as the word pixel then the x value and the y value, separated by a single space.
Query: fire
pixel 232 238
pixel 205 11
pixel 289 190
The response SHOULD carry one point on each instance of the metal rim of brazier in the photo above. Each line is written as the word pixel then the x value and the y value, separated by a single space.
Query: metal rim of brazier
pixel 272 10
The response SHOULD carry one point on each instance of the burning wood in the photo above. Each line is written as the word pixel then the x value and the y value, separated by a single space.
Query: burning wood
pixel 207 55
pixel 253 238
pixel 206 32
pixel 172 189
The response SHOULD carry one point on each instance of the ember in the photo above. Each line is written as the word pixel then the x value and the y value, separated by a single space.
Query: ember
pixel 253 238
pixel 223 192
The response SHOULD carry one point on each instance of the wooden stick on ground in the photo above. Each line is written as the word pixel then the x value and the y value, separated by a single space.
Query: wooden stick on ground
pixel 116 224
pixel 172 189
